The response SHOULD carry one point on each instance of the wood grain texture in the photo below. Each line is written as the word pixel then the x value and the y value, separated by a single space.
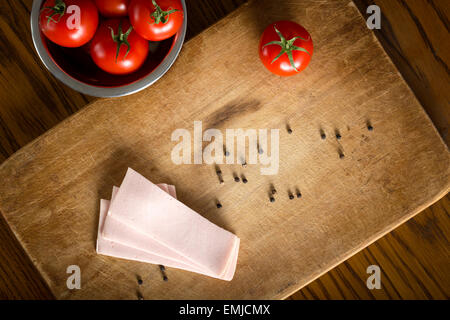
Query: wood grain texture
pixel 19 278
pixel 415 257
pixel 423 244
pixel 387 176
pixel 32 102
pixel 424 63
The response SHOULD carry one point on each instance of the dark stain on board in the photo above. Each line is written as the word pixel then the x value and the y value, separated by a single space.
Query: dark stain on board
pixel 230 111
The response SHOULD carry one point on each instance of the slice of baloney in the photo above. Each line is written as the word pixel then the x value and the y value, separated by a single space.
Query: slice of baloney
pixel 130 247
pixel 143 206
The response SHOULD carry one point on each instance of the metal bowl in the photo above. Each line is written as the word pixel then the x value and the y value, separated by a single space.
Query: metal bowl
pixel 75 68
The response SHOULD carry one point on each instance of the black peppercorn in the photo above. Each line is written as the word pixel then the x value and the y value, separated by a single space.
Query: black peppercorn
pixel 163 272
pixel 291 196
pixel 244 180
pixel 272 199
pixel 219 205
pixel 219 174
pixel 236 179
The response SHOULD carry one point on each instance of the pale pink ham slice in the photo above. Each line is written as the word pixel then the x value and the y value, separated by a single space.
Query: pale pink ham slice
pixel 119 250
pixel 142 238
pixel 114 230
pixel 171 190
pixel 143 206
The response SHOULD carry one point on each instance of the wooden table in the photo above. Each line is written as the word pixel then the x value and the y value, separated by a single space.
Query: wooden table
pixel 34 106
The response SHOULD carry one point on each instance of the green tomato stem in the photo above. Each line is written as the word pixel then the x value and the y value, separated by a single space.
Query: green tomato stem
pixel 287 46
pixel 121 38
pixel 58 9
pixel 159 15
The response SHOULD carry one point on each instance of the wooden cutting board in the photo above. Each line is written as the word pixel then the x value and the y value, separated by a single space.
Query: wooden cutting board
pixel 51 189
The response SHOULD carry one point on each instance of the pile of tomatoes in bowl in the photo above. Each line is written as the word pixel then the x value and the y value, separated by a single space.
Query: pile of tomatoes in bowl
pixel 116 35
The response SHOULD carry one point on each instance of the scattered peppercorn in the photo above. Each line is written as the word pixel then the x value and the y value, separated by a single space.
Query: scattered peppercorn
pixel 338 136
pixel 219 205
pixel 236 179
pixel 323 135
pixel 370 128
pixel 299 195
pixel 244 180
pixel 289 130
pixel 163 272
pixel 272 199
pixel 140 282
pixel 219 174
pixel 291 196
pixel 274 191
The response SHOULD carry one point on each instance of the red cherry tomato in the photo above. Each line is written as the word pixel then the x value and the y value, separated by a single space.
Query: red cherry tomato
pixel 69 23
pixel 117 48
pixel 285 48
pixel 113 8
pixel 156 20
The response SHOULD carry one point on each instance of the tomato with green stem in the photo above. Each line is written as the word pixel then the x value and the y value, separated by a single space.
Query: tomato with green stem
pixel 117 48
pixel 285 48
pixel 69 23
pixel 113 8
pixel 156 20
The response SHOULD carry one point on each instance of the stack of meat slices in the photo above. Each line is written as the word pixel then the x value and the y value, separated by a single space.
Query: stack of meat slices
pixel 145 222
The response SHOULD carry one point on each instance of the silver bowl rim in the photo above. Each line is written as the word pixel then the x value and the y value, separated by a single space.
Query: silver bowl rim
pixel 104 92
